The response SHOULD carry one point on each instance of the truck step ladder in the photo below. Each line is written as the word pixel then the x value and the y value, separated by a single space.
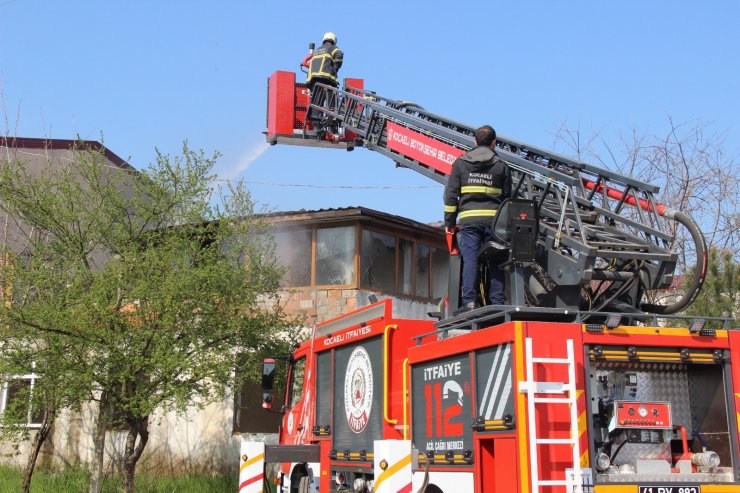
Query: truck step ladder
pixel 568 396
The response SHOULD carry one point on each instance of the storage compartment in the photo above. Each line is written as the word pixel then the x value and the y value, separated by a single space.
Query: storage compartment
pixel 665 420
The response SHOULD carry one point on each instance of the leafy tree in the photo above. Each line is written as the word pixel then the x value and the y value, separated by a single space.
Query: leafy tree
pixel 720 296
pixel 152 283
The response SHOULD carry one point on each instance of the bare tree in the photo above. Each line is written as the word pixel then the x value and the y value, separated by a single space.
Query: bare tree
pixel 696 173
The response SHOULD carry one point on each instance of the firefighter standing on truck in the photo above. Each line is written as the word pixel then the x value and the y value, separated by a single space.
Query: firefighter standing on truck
pixel 324 65
pixel 480 180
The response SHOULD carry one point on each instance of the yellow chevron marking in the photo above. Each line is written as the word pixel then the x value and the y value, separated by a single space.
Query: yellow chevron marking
pixel 251 461
pixel 392 470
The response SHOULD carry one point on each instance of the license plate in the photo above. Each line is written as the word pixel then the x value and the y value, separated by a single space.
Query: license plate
pixel 673 488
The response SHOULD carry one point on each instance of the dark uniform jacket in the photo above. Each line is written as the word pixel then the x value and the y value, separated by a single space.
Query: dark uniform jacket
pixel 325 63
pixel 480 180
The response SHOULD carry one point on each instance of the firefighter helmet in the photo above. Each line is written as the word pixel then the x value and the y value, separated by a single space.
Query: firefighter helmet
pixel 330 36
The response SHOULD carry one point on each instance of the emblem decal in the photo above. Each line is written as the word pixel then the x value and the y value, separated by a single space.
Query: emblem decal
pixel 358 389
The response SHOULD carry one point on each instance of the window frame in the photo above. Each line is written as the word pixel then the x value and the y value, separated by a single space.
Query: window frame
pixel 31 377
pixel 396 260
pixel 416 238
pixel 355 257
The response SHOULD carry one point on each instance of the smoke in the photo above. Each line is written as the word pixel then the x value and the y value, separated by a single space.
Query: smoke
pixel 245 161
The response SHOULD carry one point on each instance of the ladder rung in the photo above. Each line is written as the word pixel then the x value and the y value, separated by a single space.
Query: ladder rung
pixel 556 441
pixel 544 387
pixel 555 400
pixel 564 361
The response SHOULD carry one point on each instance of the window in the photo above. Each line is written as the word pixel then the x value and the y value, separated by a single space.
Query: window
pixel 422 270
pixel 405 266
pixel 249 417
pixel 378 261
pixel 335 256
pixel 294 253
pixel 440 272
pixel 17 403
pixel 390 260
pixel 296 381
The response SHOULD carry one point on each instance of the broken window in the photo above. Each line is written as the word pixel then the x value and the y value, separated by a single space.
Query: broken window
pixel 335 256
pixel 422 270
pixel 406 266
pixel 293 252
pixel 440 272
pixel 378 261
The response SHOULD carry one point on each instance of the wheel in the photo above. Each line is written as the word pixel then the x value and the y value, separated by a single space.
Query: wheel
pixel 299 479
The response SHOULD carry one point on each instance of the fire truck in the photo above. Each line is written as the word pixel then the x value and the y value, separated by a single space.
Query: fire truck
pixel 581 383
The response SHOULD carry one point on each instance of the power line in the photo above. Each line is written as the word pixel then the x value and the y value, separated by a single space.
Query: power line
pixel 363 187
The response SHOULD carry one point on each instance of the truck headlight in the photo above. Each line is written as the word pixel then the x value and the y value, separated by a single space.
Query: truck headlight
pixel 359 485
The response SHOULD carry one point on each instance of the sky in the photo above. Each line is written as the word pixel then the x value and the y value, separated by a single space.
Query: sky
pixel 146 75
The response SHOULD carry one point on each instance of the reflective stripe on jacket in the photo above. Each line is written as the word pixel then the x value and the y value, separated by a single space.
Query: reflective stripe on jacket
pixel 325 63
pixel 480 180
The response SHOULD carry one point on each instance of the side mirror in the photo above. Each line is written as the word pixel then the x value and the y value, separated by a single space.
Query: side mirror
pixel 268 379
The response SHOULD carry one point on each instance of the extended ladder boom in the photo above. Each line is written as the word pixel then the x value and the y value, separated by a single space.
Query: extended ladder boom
pixel 593 250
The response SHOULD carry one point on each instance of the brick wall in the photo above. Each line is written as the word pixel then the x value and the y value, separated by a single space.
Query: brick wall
pixel 319 305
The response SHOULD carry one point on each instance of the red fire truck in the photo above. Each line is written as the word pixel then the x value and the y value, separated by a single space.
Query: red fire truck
pixel 580 384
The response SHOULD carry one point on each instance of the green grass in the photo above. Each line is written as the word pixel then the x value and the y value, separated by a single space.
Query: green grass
pixel 78 480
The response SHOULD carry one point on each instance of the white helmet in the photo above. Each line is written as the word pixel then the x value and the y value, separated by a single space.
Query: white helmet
pixel 330 36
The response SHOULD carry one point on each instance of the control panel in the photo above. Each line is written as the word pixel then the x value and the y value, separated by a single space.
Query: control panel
pixel 632 414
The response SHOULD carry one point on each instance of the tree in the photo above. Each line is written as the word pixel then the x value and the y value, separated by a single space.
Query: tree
pixel 154 281
pixel 720 296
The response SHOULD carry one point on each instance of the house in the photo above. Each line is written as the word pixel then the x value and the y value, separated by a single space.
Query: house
pixel 336 260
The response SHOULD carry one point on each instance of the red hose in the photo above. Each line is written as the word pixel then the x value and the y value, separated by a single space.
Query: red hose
pixel 616 194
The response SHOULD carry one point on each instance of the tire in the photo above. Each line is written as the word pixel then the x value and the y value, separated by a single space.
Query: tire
pixel 304 484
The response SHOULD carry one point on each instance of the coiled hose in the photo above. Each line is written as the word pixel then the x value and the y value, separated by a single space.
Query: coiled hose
pixel 698 272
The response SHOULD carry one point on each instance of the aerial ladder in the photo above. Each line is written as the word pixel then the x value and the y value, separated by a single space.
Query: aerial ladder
pixel 602 243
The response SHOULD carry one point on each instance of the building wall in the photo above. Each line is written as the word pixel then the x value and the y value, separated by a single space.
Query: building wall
pixel 196 441
pixel 320 305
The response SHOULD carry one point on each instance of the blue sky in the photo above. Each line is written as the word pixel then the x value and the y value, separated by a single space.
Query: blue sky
pixel 148 74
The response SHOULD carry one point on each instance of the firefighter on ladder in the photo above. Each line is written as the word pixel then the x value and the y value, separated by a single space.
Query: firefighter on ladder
pixel 324 67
